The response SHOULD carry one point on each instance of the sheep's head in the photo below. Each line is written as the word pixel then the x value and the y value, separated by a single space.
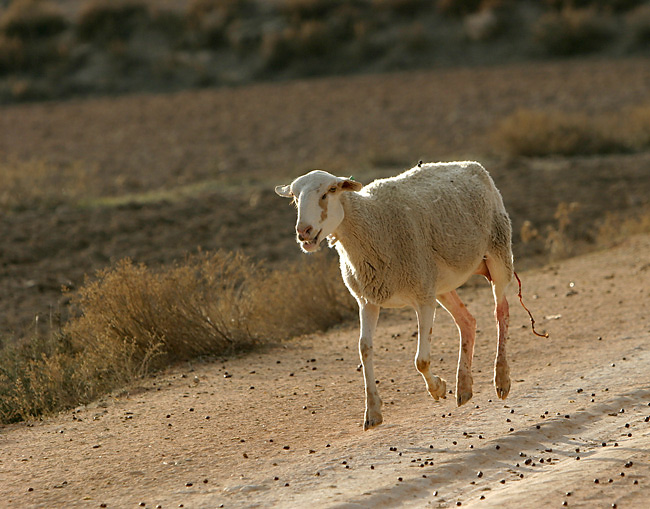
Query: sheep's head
pixel 317 196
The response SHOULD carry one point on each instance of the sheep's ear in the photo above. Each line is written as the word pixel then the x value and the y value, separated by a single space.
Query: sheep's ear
pixel 350 185
pixel 284 191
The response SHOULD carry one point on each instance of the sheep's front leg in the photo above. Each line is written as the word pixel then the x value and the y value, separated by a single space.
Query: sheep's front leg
pixel 436 386
pixel 368 315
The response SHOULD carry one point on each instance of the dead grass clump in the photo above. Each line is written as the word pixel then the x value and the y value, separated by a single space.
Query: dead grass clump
pixel 37 183
pixel 573 31
pixel 541 133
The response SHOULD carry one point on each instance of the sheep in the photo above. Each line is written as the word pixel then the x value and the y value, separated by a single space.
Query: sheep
pixel 412 240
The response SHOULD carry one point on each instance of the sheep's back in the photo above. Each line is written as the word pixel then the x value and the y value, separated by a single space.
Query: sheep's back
pixel 447 208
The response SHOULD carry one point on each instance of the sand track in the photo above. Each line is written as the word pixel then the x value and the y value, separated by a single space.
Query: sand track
pixel 284 426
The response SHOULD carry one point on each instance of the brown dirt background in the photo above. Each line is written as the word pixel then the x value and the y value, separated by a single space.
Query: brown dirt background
pixel 233 145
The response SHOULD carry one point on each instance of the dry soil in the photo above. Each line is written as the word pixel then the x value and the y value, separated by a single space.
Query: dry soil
pixel 283 427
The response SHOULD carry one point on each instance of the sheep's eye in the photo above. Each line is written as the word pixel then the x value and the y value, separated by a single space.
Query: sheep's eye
pixel 333 189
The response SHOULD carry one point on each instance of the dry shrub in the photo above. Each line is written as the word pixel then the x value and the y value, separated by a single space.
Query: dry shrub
pixel 311 39
pixel 611 5
pixel 573 31
pixel 107 20
pixel 309 9
pixel 32 20
pixel 556 241
pixel 402 7
pixel 616 227
pixel 541 133
pixel 209 19
pixel 458 7
pixel 638 22
pixel 210 304
pixel 199 307
pixel 133 319
pixel 13 55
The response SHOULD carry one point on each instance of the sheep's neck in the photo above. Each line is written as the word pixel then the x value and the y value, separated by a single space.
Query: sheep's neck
pixel 352 235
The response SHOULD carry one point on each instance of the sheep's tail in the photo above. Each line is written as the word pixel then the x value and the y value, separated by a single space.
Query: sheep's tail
pixel 532 320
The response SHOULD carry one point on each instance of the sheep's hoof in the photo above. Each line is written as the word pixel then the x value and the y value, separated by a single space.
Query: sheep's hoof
pixel 463 389
pixel 372 421
pixel 463 397
pixel 502 386
pixel 438 389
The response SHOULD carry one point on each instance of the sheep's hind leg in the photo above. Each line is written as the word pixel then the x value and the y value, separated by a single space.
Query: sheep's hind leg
pixel 436 386
pixel 500 275
pixel 368 315
pixel 467 329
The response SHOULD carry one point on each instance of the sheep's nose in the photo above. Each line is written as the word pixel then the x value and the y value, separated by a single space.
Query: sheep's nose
pixel 304 232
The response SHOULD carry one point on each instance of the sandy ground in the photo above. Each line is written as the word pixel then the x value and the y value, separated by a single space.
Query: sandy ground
pixel 283 427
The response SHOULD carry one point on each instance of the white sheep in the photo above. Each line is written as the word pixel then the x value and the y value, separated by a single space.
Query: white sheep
pixel 411 240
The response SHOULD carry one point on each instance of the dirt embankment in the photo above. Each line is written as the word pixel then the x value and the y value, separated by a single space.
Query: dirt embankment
pixel 283 428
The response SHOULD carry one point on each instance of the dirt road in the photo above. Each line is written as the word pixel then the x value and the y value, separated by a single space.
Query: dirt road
pixel 282 428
